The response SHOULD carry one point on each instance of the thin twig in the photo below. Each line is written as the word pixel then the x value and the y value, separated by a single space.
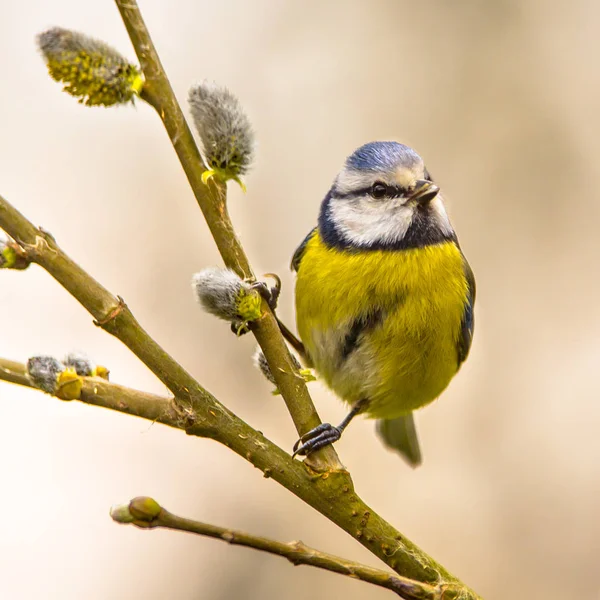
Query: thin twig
pixel 146 513
pixel 157 91
pixel 107 394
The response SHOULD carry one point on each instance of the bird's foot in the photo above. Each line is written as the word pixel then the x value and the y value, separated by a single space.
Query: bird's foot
pixel 317 438
pixel 270 294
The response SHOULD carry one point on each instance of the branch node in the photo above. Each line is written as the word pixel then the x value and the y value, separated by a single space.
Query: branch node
pixel 48 237
pixel 112 314
pixel 43 243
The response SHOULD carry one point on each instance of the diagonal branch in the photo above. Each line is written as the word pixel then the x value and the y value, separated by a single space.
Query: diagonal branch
pixel 157 91
pixel 146 513
pixel 109 311
pixel 332 496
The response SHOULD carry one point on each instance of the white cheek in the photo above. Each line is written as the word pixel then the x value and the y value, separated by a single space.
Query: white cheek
pixel 364 221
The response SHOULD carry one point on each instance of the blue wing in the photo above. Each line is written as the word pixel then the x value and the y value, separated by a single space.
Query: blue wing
pixel 468 320
pixel 297 258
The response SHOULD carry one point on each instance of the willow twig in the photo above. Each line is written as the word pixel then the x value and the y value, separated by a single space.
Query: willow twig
pixel 100 392
pixel 146 513
pixel 211 198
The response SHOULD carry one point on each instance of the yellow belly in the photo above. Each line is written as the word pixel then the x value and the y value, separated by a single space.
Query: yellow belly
pixel 410 356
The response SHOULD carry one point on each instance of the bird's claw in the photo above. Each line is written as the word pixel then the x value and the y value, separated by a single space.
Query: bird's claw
pixel 270 294
pixel 317 438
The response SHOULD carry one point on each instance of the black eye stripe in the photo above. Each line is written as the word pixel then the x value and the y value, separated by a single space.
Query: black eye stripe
pixel 353 194
pixel 394 192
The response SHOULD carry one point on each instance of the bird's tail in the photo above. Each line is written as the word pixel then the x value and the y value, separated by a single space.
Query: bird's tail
pixel 401 435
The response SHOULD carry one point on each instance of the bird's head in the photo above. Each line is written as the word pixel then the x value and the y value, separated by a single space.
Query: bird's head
pixel 384 198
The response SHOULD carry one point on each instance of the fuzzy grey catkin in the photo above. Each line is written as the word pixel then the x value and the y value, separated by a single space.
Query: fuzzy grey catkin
pixel 44 371
pixel 224 129
pixel 91 70
pixel 83 365
pixel 261 363
pixel 218 290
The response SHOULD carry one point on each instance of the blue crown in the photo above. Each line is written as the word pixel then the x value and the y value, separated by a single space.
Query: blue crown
pixel 382 156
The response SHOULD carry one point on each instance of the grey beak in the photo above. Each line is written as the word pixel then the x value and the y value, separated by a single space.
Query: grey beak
pixel 424 191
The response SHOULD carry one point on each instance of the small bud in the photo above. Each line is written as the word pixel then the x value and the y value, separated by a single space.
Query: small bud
pixel 90 69
pixel 261 363
pixel 141 511
pixel 307 374
pixel 225 131
pixel 102 372
pixel 12 255
pixel 222 293
pixel 144 508
pixel 84 366
pixel 44 372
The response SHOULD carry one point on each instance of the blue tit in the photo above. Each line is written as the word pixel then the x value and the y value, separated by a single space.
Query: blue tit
pixel 384 295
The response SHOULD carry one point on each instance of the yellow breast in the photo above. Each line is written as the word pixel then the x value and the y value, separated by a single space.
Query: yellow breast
pixel 409 356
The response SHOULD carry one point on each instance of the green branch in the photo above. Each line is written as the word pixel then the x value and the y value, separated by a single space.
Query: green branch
pixel 109 311
pixel 101 392
pixel 212 199
pixel 146 513
pixel 330 494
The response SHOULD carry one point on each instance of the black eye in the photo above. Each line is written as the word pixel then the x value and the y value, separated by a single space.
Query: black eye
pixel 379 190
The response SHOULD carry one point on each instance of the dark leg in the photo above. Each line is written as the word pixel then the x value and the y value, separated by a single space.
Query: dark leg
pixel 325 433
pixel 294 342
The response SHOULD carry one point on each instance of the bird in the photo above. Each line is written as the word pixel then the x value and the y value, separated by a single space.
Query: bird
pixel 384 295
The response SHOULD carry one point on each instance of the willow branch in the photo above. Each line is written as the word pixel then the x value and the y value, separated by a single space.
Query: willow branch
pixel 331 494
pixel 100 392
pixel 157 91
pixel 146 513
pixel 110 312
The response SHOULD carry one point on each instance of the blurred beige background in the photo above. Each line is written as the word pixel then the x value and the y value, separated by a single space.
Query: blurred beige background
pixel 501 98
